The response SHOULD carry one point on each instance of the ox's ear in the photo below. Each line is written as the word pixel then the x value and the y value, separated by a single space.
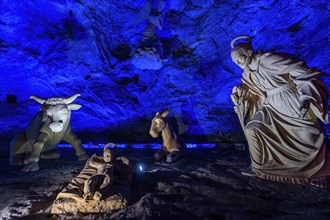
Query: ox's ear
pixel 165 113
pixel 74 106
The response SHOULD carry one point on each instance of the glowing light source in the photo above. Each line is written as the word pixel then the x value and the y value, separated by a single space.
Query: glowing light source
pixel 138 146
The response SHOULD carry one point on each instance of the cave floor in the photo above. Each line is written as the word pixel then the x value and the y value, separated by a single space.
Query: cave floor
pixel 205 184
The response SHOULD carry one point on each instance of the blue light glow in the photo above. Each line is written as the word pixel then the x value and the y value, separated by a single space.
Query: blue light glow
pixel 86 48
pixel 201 145
pixel 136 146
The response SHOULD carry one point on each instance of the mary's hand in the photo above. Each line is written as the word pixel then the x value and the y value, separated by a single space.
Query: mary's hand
pixel 304 107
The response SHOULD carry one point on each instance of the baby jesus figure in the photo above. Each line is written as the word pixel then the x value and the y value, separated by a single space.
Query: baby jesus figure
pixel 97 185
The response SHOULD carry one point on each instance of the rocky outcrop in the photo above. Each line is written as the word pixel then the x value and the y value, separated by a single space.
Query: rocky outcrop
pixel 58 48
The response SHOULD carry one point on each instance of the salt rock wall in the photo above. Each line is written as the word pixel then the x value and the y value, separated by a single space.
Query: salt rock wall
pixel 62 47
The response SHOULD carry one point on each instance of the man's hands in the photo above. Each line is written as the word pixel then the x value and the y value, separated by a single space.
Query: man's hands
pixel 239 96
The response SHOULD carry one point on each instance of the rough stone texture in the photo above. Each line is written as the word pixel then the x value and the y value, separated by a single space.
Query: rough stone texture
pixel 70 199
pixel 59 48
pixel 74 204
pixel 205 184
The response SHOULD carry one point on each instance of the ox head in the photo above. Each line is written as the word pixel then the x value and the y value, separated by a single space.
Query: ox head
pixel 158 123
pixel 57 110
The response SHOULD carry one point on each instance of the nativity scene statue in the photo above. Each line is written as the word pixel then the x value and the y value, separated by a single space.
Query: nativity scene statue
pixel 149 51
pixel 280 105
pixel 44 132
pixel 103 185
pixel 98 184
pixel 172 147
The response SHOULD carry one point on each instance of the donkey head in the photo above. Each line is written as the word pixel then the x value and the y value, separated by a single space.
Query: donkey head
pixel 158 123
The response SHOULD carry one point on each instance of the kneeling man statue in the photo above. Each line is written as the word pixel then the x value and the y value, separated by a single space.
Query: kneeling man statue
pixel 280 105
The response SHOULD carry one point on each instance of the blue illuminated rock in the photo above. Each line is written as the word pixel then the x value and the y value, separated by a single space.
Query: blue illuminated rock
pixel 59 48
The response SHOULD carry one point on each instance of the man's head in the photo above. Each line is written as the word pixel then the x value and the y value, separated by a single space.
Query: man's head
pixel 242 53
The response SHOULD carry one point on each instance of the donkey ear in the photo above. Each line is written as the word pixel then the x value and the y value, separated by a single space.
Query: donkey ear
pixel 165 113
pixel 157 114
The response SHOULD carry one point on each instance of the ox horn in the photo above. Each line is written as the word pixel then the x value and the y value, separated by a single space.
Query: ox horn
pixel 71 99
pixel 39 100
pixel 248 38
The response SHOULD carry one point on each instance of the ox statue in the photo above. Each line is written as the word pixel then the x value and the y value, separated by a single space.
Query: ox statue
pixel 172 149
pixel 47 129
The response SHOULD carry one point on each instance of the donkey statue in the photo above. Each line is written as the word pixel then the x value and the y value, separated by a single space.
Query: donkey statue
pixel 172 149
pixel 46 129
